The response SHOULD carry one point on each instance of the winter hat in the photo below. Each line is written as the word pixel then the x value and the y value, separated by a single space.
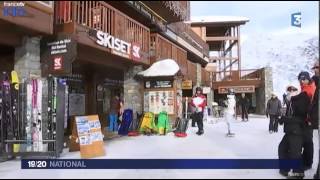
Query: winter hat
pixel 304 75
pixel 291 88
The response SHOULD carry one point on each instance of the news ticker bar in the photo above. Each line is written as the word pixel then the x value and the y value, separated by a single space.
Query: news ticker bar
pixel 160 164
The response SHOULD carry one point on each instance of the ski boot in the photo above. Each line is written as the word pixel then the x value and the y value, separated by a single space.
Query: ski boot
pixel 229 134
pixel 200 133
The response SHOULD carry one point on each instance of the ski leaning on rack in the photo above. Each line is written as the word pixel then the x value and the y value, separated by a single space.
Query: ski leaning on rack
pixel 15 108
pixel 9 129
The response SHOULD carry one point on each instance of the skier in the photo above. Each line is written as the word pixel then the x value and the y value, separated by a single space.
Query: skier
pixel 314 111
pixel 309 87
pixel 199 102
pixel 291 144
pixel 274 111
pixel 244 103
pixel 230 111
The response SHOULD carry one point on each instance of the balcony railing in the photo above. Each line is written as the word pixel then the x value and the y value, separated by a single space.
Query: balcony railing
pixel 248 74
pixel 185 32
pixel 101 16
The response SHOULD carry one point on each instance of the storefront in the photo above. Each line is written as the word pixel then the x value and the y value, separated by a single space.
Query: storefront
pixel 94 65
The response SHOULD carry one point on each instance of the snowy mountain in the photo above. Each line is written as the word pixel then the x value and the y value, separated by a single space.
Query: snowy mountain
pixel 287 54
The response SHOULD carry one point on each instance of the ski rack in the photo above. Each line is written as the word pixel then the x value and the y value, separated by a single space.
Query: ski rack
pixel 33 154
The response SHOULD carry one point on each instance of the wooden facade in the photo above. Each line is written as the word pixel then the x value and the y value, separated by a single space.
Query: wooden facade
pixel 80 16
pixel 162 48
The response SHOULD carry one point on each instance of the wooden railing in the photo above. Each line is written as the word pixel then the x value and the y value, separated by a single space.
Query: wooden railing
pixel 101 16
pixel 247 74
pixel 184 31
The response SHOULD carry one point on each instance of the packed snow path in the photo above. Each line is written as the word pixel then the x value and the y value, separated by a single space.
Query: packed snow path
pixel 252 141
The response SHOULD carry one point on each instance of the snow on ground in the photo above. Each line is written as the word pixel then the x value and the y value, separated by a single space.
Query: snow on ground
pixel 252 141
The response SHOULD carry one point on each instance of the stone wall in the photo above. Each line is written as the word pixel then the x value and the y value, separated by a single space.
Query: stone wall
pixel 133 90
pixel 263 94
pixel 27 58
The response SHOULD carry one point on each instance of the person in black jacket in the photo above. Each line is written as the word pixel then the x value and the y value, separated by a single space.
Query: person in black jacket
pixel 290 146
pixel 244 104
pixel 308 86
pixel 315 106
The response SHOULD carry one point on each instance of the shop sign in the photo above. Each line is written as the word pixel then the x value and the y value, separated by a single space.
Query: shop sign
pixel 158 101
pixel 158 84
pixel 57 63
pixel 57 54
pixel 206 90
pixel 187 84
pixel 237 89
pixel 118 46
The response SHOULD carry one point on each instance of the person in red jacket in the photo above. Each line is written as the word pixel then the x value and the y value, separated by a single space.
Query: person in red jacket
pixel 199 102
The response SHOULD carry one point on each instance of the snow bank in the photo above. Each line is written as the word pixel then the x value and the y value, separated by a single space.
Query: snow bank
pixel 166 67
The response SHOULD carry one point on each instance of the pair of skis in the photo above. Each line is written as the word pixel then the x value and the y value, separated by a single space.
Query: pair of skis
pixel 34 116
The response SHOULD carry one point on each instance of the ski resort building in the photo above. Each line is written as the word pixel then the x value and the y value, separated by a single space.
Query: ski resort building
pixel 222 33
pixel 96 49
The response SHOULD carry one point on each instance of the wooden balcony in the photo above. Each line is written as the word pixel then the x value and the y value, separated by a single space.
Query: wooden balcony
pixel 252 77
pixel 80 16
pixel 185 32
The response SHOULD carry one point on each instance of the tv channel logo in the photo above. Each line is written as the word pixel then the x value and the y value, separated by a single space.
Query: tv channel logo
pixel 296 19
pixel 15 9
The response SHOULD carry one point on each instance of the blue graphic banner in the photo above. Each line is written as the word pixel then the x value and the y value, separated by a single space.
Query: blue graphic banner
pixel 160 164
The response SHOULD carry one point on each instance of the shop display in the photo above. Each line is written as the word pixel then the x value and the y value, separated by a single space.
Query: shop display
pixel 160 101
pixel 127 118
pixel 148 125
pixel 163 123
pixel 135 125
pixel 90 136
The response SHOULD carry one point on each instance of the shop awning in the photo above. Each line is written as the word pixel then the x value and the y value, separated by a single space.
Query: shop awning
pixel 163 68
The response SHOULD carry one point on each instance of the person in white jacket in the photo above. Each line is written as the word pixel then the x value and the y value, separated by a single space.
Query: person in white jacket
pixel 230 111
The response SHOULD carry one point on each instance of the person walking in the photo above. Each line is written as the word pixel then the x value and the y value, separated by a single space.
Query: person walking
pixel 244 104
pixel 199 102
pixel 230 111
pixel 291 144
pixel 274 112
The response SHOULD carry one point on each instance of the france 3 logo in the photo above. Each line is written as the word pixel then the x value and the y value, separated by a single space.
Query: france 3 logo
pixel 296 19
pixel 15 9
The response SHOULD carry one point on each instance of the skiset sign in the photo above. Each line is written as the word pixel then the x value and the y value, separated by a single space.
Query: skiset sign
pixel 118 46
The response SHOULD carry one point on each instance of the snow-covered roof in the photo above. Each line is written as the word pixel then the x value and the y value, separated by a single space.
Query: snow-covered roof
pixel 163 68
pixel 219 19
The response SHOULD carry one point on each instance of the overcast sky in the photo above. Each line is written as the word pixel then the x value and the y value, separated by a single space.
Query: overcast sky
pixel 269 17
